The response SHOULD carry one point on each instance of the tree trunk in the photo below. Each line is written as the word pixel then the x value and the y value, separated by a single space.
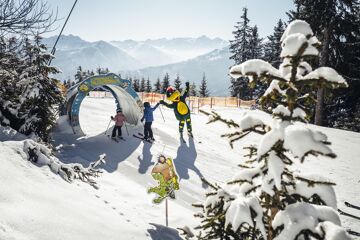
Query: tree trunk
pixel 319 107
pixel 324 58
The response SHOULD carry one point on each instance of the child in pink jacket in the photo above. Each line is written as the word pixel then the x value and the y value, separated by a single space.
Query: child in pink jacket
pixel 119 119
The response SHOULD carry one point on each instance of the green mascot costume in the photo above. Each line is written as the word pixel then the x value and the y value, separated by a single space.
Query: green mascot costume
pixel 181 109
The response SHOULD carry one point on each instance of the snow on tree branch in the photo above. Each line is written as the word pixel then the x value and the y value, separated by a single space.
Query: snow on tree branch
pixel 42 155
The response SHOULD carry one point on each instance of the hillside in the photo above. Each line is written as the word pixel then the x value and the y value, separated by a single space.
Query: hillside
pixel 214 64
pixel 37 204
pixel 72 51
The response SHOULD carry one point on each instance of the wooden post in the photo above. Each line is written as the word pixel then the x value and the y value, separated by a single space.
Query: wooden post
pixel 210 102
pixel 166 212
pixel 198 105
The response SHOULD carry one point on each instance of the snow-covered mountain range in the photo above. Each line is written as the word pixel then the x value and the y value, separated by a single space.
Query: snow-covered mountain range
pixel 188 57
pixel 215 65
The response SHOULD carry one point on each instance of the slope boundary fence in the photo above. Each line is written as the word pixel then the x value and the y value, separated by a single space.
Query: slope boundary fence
pixel 195 103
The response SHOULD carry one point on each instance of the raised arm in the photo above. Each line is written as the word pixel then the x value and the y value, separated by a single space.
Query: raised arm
pixel 186 92
pixel 153 108
pixel 166 104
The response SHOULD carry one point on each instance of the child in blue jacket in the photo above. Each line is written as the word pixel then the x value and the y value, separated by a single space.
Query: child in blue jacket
pixel 149 118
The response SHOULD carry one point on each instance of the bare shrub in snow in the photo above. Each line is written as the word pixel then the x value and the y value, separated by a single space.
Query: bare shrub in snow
pixel 266 198
pixel 42 155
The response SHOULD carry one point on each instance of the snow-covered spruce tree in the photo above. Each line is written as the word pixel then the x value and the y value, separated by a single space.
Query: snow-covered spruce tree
pixel 142 85
pixel 267 198
pixel 193 91
pixel 240 50
pixel 9 71
pixel 157 86
pixel 148 87
pixel 165 83
pixel 177 83
pixel 136 84
pixel 203 90
pixel 40 94
pixel 336 24
pixel 272 48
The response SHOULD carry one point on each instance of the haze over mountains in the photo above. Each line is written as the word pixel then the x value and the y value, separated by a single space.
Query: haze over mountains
pixel 188 57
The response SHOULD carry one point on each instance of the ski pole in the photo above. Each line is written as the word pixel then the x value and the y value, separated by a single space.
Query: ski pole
pixel 161 113
pixel 107 127
pixel 127 130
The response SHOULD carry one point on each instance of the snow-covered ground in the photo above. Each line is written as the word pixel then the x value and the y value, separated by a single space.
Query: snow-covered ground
pixel 37 204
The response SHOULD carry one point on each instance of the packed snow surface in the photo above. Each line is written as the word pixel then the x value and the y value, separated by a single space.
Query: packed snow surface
pixel 37 204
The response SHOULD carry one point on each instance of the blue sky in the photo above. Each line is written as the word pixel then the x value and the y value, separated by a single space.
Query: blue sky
pixel 107 20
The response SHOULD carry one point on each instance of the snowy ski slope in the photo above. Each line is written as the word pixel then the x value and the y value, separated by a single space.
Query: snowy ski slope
pixel 37 204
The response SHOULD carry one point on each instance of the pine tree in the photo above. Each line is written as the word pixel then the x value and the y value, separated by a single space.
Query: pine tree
pixel 157 86
pixel 336 24
pixel 272 47
pixel 255 44
pixel 165 83
pixel 79 76
pixel 131 81
pixel 256 52
pixel 40 93
pixel 142 85
pixel 267 199
pixel 177 83
pixel 240 49
pixel 10 65
pixel 30 105
pixel 193 91
pixel 136 85
pixel 203 91
pixel 148 87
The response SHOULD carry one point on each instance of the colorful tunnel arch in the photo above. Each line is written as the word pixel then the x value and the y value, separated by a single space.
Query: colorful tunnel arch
pixel 126 98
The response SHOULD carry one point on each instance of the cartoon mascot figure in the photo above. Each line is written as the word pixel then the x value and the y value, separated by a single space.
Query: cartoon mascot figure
pixel 165 173
pixel 181 109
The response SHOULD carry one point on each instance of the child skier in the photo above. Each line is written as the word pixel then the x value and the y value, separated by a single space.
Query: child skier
pixel 119 119
pixel 149 118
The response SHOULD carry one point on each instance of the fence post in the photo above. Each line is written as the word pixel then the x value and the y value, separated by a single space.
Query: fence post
pixel 210 102
pixel 198 105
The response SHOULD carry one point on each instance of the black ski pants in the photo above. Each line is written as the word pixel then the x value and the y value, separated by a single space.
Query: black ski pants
pixel 147 130
pixel 118 128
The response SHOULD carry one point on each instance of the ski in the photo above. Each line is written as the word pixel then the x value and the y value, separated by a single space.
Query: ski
pixel 353 233
pixel 139 137
pixel 348 214
pixel 352 205
pixel 116 139
pixel 122 139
